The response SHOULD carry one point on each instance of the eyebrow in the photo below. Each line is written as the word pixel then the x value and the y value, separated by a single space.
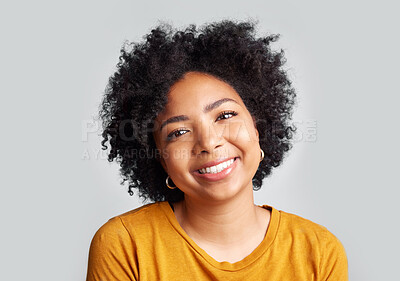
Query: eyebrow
pixel 207 108
pixel 215 104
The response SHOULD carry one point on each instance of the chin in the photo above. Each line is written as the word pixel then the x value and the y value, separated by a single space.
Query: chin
pixel 223 193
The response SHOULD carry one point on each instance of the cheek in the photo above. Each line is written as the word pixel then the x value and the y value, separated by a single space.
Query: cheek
pixel 179 156
pixel 241 131
pixel 243 135
pixel 176 157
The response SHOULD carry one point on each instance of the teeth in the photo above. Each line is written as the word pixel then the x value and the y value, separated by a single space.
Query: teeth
pixel 217 168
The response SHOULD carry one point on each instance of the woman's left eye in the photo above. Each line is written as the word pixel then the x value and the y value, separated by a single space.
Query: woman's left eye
pixel 226 115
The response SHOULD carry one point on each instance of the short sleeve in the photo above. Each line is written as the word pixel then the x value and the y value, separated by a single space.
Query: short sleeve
pixel 334 260
pixel 112 254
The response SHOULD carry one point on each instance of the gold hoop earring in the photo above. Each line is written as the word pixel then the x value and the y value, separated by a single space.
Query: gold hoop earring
pixel 262 155
pixel 166 181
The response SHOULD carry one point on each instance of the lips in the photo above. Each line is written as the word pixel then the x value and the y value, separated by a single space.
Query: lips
pixel 217 170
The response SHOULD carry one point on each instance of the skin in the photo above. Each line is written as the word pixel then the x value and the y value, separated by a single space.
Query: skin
pixel 219 215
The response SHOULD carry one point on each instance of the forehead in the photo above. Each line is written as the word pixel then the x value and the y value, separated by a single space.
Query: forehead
pixel 196 90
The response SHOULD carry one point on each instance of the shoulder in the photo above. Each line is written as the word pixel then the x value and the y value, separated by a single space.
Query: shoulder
pixel 298 224
pixel 133 225
pixel 318 240
pixel 149 210
pixel 113 250
pixel 125 224
pixel 114 246
pixel 305 227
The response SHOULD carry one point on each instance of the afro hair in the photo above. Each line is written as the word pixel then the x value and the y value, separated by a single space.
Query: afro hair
pixel 137 93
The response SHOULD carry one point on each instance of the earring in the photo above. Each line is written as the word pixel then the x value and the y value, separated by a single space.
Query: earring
pixel 262 155
pixel 166 181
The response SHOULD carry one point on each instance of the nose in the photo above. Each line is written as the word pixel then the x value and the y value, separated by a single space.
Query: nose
pixel 208 139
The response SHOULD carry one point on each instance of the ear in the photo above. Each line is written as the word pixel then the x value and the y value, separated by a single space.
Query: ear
pixel 159 153
pixel 255 126
pixel 162 161
pixel 159 158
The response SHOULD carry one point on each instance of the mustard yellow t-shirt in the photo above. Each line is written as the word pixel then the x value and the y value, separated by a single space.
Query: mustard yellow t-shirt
pixel 148 244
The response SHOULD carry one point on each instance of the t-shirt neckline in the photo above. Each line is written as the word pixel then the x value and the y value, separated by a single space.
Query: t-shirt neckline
pixel 252 257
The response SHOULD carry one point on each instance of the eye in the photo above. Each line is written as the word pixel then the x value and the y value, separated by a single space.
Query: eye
pixel 176 133
pixel 226 115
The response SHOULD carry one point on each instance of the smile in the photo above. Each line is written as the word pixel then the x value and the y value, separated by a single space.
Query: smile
pixel 217 168
pixel 217 172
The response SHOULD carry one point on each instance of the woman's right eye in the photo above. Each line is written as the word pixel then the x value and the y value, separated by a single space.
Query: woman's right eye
pixel 176 134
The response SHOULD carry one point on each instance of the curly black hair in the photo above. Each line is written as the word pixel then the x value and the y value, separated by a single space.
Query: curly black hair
pixel 137 93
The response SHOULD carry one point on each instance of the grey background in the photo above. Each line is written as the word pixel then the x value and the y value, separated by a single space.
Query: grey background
pixel 57 189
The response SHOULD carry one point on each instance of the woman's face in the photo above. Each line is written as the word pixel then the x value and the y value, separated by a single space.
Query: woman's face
pixel 208 140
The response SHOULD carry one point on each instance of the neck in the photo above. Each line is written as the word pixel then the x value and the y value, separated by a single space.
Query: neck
pixel 221 223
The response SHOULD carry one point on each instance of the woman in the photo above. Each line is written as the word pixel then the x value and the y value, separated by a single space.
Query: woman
pixel 197 119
